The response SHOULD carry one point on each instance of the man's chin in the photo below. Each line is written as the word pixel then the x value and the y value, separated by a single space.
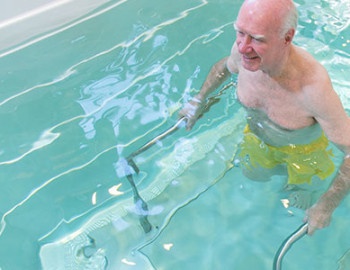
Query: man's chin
pixel 251 68
pixel 251 64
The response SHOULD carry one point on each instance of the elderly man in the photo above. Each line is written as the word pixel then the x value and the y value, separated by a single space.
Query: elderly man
pixel 291 106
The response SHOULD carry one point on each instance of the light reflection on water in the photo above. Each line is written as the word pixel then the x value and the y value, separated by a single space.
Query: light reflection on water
pixel 86 97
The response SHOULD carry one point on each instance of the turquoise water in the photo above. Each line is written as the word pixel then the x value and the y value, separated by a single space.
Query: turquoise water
pixel 74 104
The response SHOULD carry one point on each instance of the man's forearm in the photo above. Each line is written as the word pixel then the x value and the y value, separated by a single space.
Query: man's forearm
pixel 339 188
pixel 319 215
pixel 217 75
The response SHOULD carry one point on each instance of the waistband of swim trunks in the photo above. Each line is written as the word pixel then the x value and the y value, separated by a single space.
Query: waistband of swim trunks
pixel 320 143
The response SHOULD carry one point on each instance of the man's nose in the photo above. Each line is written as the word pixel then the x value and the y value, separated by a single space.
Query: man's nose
pixel 244 44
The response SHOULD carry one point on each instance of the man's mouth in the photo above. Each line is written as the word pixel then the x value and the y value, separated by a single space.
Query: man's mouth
pixel 246 57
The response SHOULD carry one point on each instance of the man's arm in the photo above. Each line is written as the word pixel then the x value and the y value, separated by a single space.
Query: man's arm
pixel 332 117
pixel 194 108
pixel 217 75
pixel 319 215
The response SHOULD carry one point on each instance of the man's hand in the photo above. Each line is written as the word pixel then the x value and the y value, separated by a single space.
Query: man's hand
pixel 318 217
pixel 192 111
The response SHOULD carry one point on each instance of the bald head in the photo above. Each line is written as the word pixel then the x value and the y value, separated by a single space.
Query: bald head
pixel 265 30
pixel 281 14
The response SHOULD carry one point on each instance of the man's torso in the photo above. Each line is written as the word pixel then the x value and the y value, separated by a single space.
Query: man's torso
pixel 277 110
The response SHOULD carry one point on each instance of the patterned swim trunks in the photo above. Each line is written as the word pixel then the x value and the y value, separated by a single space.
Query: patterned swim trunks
pixel 303 161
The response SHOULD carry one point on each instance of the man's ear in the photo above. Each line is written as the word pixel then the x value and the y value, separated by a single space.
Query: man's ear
pixel 289 36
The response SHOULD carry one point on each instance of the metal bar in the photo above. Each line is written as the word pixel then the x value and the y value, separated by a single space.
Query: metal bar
pixel 156 139
pixel 141 206
pixel 287 244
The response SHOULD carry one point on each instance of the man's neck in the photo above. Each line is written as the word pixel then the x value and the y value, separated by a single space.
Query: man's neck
pixel 282 67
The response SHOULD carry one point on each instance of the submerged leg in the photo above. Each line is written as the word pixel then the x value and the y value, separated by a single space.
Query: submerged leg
pixel 261 174
pixel 304 198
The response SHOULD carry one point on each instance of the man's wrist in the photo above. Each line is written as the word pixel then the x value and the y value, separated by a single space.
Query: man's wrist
pixel 199 98
pixel 196 99
pixel 328 202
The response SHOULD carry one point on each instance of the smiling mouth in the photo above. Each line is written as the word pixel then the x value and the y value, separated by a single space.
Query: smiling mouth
pixel 249 58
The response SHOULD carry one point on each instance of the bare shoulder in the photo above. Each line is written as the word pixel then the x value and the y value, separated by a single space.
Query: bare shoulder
pixel 233 61
pixel 316 84
pixel 314 75
pixel 322 101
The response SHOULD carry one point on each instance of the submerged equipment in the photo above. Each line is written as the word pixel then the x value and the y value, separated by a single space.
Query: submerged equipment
pixel 287 244
pixel 130 167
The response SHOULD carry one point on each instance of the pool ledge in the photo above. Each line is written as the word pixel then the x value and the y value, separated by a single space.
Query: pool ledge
pixel 21 20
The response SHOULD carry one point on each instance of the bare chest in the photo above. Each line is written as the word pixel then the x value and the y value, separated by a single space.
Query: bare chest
pixel 283 104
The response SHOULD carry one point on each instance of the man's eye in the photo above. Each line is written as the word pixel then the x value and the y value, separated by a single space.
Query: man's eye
pixel 257 39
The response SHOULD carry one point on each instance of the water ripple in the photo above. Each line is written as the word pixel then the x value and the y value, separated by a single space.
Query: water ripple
pixel 97 105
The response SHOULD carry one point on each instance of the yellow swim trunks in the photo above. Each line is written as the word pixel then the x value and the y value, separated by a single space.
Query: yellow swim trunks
pixel 302 161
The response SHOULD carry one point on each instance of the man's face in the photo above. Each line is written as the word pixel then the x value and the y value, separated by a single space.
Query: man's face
pixel 258 40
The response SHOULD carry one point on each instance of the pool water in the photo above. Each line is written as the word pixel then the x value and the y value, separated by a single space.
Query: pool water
pixel 79 98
